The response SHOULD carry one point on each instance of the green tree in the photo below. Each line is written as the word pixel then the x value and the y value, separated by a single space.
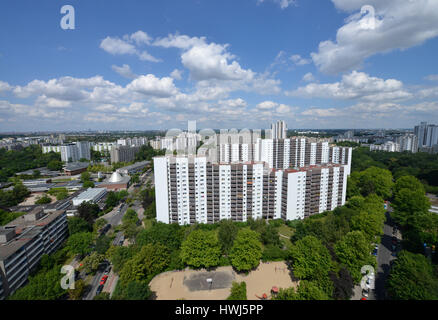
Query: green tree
pixel 80 243
pixel 55 165
pixel 119 256
pixel 170 235
pixel 44 200
pixel 408 182
pixel 88 211
pixel 310 259
pixel 227 233
pixel 78 291
pixel 77 224
pixel 238 291
pixel 376 180
pixel 412 278
pixel 354 251
pixel 201 249
pixel 137 290
pixel 410 208
pixel 91 262
pixel 307 290
pixel 88 184
pixel 85 176
pixel 102 244
pixel 246 251
pixel 148 262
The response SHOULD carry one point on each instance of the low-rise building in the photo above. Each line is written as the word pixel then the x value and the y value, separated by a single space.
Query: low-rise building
pixel 116 182
pixel 90 195
pixel 133 168
pixel 74 168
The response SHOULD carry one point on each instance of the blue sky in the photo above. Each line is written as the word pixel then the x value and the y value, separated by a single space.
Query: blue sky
pixel 227 64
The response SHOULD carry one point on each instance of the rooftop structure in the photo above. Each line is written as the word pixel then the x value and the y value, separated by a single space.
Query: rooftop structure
pixel 90 195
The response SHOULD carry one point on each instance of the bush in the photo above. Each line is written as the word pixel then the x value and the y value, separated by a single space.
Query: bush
pixel 238 291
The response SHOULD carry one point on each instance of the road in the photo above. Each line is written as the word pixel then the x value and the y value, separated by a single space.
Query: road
pixel 384 258
pixel 114 217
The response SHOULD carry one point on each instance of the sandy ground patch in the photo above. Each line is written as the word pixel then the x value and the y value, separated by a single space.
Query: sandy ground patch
pixel 171 285
pixel 29 201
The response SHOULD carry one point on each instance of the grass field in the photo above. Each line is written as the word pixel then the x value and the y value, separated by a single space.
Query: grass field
pixel 285 233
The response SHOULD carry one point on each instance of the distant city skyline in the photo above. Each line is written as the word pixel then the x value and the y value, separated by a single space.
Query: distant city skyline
pixel 146 65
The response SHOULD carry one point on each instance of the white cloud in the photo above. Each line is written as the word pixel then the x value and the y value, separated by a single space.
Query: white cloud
pixel 211 64
pixel 176 74
pixel 125 71
pixel 266 105
pixel 153 86
pixel 398 24
pixel 282 3
pixel 299 61
pixel 355 85
pixel 308 77
pixel 432 77
pixel 4 86
pixel 128 45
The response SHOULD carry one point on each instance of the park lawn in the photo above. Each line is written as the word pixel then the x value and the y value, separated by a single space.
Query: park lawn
pixel 285 231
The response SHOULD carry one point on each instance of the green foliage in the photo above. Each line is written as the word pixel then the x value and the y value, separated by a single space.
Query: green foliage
pixel 13 197
pixel 412 278
pixel 246 251
pixel 85 176
pixel 78 291
pixel 310 259
pixel 342 284
pixel 226 234
pixel 146 152
pixel 238 291
pixel 353 251
pixel 148 262
pixel 307 290
pixel 88 184
pixel 103 244
pixel 91 262
pixel 273 253
pixel 55 165
pixel 201 249
pixel 6 216
pixel 375 180
pixel 113 198
pixel 43 286
pixel 102 296
pixel 119 255
pixel 80 243
pixel 88 211
pixel 411 207
pixel 31 157
pixel 170 235
pixel 43 200
pixel 77 224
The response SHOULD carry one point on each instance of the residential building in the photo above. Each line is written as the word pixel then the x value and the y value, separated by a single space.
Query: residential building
pixel 388 146
pixel 22 243
pixel 279 130
pixel 123 153
pixel 190 189
pixel 427 134
pixel 408 142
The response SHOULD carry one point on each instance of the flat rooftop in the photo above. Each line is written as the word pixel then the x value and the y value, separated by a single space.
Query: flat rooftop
pixel 135 165
pixel 90 193
pixel 76 166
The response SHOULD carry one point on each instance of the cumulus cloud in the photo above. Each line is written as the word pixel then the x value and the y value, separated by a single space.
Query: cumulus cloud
pixel 355 85
pixel 308 77
pixel 176 74
pixel 299 61
pixel 4 86
pixel 129 44
pixel 384 27
pixel 282 3
pixel 212 64
pixel 125 71
pixel 153 86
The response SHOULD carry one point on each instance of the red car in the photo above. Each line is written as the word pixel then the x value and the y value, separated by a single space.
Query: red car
pixel 103 280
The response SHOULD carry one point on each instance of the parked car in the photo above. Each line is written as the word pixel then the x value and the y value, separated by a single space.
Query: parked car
pixel 365 293
pixel 99 289
pixel 108 269
pixel 103 280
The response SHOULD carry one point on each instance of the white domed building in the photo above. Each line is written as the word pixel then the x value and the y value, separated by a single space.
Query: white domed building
pixel 116 182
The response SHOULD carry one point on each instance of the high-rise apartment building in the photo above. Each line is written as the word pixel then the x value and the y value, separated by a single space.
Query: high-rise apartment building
pixel 123 153
pixel 279 130
pixel 427 134
pixel 407 142
pixel 73 152
pixel 190 189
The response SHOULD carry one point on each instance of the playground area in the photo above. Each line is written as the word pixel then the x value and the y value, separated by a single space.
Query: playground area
pixel 215 285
